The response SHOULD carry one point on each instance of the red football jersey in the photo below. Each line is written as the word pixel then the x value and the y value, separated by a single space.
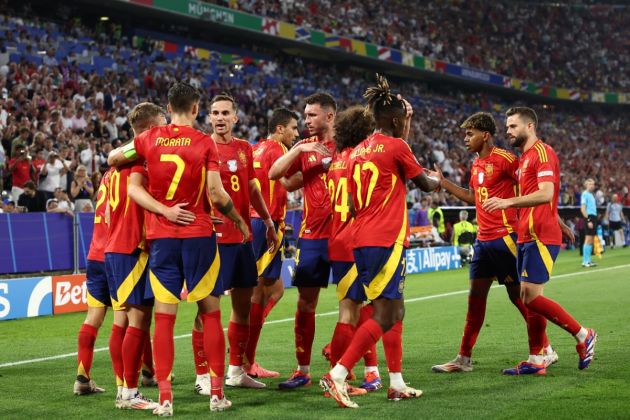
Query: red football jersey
pixel 340 242
pixel 317 215
pixel 177 158
pixel 380 167
pixel 494 176
pixel 126 217
pixel 540 223
pixel 101 230
pixel 237 169
pixel 266 152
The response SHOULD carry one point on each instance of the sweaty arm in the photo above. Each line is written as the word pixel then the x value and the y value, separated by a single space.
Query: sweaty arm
pixel 463 194
pixel 222 201
pixel 425 183
pixel 121 155
pixel 543 195
pixel 282 165
pixel 140 195
pixel 295 182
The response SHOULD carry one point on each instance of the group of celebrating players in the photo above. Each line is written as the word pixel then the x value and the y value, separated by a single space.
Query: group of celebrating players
pixel 182 214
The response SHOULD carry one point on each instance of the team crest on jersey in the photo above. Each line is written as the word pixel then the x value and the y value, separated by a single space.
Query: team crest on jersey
pixel 489 169
pixel 242 157
pixel 232 167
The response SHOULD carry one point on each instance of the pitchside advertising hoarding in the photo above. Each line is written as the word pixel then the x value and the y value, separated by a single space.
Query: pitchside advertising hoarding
pixel 37 296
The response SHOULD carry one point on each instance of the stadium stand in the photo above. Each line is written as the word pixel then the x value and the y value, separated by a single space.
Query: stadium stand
pixel 571 45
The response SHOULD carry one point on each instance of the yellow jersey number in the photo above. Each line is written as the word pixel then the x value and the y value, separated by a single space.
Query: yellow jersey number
pixel 482 194
pixel 339 197
pixel 374 174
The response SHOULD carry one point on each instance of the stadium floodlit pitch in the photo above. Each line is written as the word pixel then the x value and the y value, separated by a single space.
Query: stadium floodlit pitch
pixel 436 308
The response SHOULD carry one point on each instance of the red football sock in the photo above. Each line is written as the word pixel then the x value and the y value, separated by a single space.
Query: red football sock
pixel 554 313
pixel 147 355
pixel 237 337
pixel 371 356
pixel 199 356
pixel 214 347
pixel 536 325
pixel 115 352
pixel 366 335
pixel 132 348
pixel 255 326
pixel 392 342
pixel 85 351
pixel 269 306
pixel 474 321
pixel 164 353
pixel 304 336
pixel 523 310
pixel 340 341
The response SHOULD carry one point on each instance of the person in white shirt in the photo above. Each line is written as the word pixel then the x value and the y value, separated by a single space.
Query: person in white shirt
pixel 50 175
pixel 615 219
pixel 91 158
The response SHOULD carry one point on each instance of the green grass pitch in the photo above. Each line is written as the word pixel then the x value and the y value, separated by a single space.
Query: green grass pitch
pixel 436 308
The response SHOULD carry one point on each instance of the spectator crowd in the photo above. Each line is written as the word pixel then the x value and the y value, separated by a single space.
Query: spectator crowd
pixel 58 121
pixel 557 44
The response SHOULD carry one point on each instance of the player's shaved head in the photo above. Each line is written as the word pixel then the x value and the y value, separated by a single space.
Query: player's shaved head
pixel 322 99
pixel 352 126
pixel 182 96
pixel 527 114
pixel 146 115
pixel 281 117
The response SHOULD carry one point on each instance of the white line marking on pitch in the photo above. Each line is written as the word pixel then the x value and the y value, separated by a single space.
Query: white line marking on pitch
pixel 281 321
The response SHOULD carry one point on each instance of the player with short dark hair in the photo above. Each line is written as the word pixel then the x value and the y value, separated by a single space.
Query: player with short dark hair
pixel 493 174
pixel 379 169
pixel 182 166
pixel 238 272
pixel 310 157
pixel 283 130
pixel 126 263
pixel 539 239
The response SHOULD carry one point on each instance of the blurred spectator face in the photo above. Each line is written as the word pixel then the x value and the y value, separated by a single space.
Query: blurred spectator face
pixel 52 204
pixel 222 117
pixel 29 191
pixel 10 207
pixel 317 119
pixel 589 185
pixel 615 198
pixel 87 208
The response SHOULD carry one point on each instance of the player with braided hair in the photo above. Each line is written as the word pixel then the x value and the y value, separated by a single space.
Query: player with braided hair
pixel 378 170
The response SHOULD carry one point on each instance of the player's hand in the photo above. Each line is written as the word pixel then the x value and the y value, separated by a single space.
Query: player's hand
pixel 242 226
pixel 272 237
pixel 590 225
pixel 216 220
pixel 314 147
pixel 408 106
pixel 567 232
pixel 177 214
pixel 496 203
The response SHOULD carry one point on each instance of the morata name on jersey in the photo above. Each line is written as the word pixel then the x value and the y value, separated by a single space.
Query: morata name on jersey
pixel 175 141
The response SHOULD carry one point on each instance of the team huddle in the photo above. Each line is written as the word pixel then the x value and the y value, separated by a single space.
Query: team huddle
pixel 186 215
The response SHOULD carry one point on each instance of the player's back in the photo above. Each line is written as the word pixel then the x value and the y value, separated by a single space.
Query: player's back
pixel 539 164
pixel 340 241
pixel 101 229
pixel 177 159
pixel 126 217
pixel 266 152
pixel 494 176
pixel 380 167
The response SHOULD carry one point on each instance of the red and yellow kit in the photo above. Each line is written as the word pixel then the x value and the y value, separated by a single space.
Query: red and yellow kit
pixel 266 152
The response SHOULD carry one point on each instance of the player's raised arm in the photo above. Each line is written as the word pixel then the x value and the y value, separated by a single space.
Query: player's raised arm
pixel 282 165
pixel 222 201
pixel 176 214
pixel 463 194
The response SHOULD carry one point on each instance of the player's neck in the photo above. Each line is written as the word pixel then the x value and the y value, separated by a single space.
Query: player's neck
pixel 386 131
pixel 177 119
pixel 326 134
pixel 529 143
pixel 486 150
pixel 222 138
